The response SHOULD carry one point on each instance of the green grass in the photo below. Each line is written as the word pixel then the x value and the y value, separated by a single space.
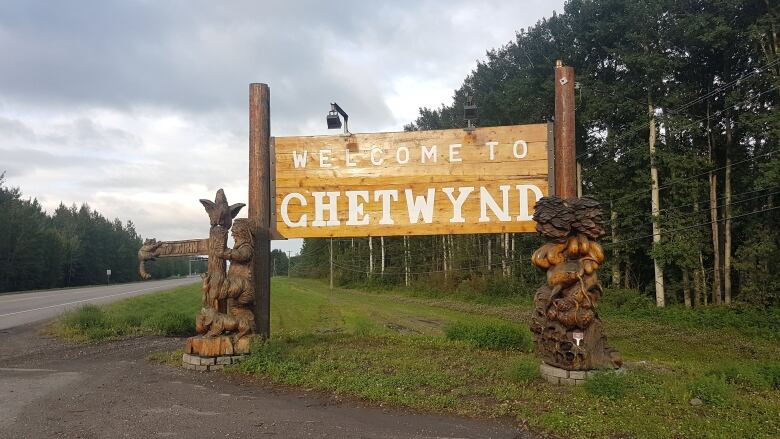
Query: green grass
pixel 170 313
pixel 470 357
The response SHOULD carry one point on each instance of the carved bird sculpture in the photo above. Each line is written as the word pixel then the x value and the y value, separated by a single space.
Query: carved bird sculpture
pixel 220 213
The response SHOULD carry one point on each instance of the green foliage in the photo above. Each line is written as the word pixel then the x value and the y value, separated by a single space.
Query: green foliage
pixel 88 316
pixel 711 390
pixel 490 335
pixel 171 323
pixel 702 67
pixel 524 371
pixel 625 301
pixel 390 349
pixel 770 372
pixel 756 376
pixel 610 385
pixel 170 313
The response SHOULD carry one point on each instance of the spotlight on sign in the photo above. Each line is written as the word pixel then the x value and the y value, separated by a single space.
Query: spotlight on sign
pixel 334 122
pixel 470 113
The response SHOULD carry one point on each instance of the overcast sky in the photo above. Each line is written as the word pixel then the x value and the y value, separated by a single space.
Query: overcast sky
pixel 139 108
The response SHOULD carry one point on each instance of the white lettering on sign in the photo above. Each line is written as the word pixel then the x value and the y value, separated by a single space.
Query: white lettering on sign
pixel 386 196
pixel 403 155
pixel 299 160
pixel 419 206
pixel 429 182
pixel 457 203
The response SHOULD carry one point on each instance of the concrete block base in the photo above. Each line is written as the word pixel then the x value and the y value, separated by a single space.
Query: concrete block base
pixel 206 364
pixel 555 375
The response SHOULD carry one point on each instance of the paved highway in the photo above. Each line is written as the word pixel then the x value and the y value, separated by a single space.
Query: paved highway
pixel 21 308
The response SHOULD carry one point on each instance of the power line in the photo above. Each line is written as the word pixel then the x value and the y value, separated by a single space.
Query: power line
pixel 725 86
pixel 684 215
pixel 688 105
pixel 676 181
pixel 717 113
pixel 690 227
pixel 691 204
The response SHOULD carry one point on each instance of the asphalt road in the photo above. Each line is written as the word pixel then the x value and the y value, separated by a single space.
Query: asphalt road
pixel 51 389
pixel 21 308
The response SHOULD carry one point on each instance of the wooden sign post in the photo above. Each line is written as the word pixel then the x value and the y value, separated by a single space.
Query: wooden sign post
pixel 404 183
pixel 565 149
pixel 260 201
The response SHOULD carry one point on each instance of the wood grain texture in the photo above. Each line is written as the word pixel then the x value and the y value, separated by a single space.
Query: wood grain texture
pixel 418 161
pixel 260 201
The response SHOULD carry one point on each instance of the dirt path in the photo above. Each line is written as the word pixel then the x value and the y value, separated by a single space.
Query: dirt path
pixel 51 389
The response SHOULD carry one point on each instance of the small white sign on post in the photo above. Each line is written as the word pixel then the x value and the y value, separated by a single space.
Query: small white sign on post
pixel 108 272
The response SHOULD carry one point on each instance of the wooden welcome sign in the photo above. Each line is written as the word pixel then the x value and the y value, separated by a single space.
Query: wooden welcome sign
pixel 410 183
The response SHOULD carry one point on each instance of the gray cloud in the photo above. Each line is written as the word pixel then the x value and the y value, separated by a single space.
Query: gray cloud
pixel 112 102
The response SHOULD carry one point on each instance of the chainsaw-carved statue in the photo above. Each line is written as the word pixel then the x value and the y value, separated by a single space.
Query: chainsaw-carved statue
pixel 567 329
pixel 228 296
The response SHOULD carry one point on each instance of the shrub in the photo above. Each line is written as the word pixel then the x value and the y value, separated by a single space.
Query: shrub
pixel 771 374
pixel 524 371
pixel 625 300
pixel 87 317
pixel 171 323
pixel 609 385
pixel 490 336
pixel 129 320
pixel 711 390
pixel 740 374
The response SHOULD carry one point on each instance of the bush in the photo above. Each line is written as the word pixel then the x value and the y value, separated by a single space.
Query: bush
pixel 744 375
pixel 609 385
pixel 172 323
pixel 490 336
pixel 88 317
pixel 524 371
pixel 625 300
pixel 711 390
pixel 771 374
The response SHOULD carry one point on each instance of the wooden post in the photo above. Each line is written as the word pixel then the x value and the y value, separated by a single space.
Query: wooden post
pixel 565 149
pixel 260 201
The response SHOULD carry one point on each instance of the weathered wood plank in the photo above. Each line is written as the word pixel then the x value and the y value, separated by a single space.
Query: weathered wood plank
pixel 486 160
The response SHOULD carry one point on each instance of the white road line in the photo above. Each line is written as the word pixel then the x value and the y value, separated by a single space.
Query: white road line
pixel 77 301
pixel 16 369
pixel 42 294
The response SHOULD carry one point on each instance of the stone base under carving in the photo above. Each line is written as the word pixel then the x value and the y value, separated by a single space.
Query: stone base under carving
pixel 218 346
pixel 206 364
pixel 556 375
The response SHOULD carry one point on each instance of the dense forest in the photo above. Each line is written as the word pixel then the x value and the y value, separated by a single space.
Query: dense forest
pixel 74 246
pixel 687 91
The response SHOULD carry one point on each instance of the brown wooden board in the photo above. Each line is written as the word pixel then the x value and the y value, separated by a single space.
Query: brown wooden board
pixel 410 183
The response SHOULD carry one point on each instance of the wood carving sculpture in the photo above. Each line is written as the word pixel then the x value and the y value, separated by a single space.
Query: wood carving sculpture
pixel 228 296
pixel 567 329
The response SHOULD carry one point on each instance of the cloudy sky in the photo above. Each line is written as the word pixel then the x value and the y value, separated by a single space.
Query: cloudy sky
pixel 139 107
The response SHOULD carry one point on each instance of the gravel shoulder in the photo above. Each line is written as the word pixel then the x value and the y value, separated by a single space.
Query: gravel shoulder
pixel 54 389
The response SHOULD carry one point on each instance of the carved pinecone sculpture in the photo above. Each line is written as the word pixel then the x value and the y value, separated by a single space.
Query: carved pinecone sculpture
pixel 589 217
pixel 554 218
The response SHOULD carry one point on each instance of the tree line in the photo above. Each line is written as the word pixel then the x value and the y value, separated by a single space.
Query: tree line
pixel 678 135
pixel 73 246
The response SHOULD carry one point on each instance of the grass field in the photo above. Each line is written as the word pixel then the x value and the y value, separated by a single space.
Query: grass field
pixel 474 359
